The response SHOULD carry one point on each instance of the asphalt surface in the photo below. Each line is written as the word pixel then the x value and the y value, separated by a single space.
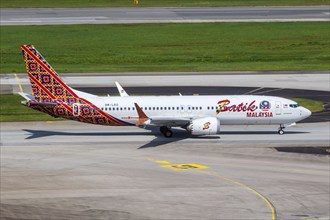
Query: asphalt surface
pixel 305 80
pixel 69 170
pixel 50 16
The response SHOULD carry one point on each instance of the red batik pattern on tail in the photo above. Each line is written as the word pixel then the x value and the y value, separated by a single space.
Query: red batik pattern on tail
pixel 45 82
pixel 48 87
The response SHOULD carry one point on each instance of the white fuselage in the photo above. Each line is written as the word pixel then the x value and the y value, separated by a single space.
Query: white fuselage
pixel 235 109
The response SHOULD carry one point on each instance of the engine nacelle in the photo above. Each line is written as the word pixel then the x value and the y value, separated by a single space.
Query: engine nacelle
pixel 204 126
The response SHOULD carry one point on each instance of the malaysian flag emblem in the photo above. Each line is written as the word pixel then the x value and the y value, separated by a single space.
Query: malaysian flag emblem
pixel 265 105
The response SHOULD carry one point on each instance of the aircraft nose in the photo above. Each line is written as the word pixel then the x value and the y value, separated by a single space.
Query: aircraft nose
pixel 305 113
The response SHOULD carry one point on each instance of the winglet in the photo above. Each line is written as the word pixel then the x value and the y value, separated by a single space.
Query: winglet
pixel 121 91
pixel 142 116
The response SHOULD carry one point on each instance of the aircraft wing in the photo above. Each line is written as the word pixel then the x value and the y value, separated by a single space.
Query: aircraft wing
pixel 169 121
pixel 159 120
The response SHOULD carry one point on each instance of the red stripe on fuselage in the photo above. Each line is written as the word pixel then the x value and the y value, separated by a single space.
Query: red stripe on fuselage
pixel 103 113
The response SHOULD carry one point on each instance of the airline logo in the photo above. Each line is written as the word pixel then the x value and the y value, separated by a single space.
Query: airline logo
pixel 248 107
pixel 225 106
pixel 206 125
pixel 264 105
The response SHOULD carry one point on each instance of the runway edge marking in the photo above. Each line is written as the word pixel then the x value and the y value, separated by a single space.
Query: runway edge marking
pixel 169 165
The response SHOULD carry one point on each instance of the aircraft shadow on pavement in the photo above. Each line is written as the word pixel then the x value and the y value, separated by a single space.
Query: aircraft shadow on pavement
pixel 260 132
pixel 157 141
pixel 41 133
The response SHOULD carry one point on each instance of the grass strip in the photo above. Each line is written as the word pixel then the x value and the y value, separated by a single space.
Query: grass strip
pixel 312 105
pixel 11 109
pixel 171 47
pixel 153 3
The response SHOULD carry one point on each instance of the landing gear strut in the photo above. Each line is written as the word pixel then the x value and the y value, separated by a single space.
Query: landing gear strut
pixel 280 130
pixel 166 131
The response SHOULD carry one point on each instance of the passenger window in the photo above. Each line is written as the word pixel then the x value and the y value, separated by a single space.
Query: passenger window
pixel 164 108
pixel 129 108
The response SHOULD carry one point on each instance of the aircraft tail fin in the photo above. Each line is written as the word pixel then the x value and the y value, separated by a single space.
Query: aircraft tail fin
pixel 46 84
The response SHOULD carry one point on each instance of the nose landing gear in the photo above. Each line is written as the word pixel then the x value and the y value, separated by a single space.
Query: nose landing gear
pixel 166 131
pixel 280 130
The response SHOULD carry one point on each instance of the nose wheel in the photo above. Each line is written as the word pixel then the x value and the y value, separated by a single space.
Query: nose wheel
pixel 280 130
pixel 166 131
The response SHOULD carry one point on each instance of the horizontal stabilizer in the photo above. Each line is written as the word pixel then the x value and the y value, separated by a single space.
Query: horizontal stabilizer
pixel 44 103
pixel 26 96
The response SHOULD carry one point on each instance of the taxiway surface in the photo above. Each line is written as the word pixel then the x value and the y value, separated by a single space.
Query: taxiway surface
pixel 49 16
pixel 307 80
pixel 70 170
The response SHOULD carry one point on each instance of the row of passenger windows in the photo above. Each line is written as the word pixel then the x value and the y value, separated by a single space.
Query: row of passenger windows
pixel 155 108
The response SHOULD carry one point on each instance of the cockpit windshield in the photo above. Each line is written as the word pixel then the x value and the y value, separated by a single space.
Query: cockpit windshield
pixel 294 105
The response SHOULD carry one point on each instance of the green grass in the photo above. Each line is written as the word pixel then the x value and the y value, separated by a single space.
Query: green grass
pixel 171 47
pixel 312 105
pixel 11 109
pixel 152 3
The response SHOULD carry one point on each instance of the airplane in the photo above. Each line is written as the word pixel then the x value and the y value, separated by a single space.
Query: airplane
pixel 199 115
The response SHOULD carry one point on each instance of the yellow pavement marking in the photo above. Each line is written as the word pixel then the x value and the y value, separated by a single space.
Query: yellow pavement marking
pixel 191 166
pixel 19 83
pixel 246 187
pixel 197 166
pixel 162 161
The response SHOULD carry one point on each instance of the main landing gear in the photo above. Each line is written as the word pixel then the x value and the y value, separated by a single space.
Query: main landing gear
pixel 280 130
pixel 166 131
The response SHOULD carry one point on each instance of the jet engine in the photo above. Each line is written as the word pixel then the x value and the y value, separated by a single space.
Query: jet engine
pixel 204 126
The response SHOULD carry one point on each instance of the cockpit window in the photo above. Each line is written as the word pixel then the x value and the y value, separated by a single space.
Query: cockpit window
pixel 294 105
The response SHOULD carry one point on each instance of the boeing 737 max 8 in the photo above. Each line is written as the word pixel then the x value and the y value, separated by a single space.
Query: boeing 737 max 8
pixel 200 115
